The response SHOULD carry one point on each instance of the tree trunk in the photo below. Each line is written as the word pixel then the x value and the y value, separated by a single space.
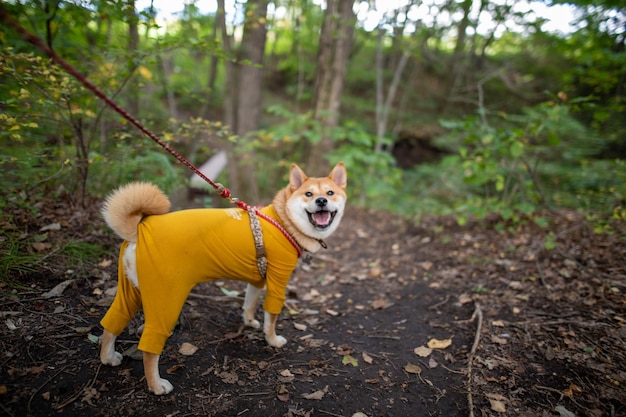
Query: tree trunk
pixel 243 97
pixel 334 51
pixel 459 60
pixel 133 45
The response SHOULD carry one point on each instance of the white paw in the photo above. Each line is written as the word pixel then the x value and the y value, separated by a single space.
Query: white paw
pixel 162 387
pixel 276 341
pixel 255 324
pixel 113 359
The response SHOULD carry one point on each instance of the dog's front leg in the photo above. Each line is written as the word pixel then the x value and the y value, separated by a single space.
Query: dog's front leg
pixel 269 328
pixel 156 384
pixel 249 306
pixel 108 355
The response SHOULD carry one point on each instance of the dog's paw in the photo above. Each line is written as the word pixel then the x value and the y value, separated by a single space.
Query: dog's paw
pixel 112 359
pixel 276 341
pixel 162 387
pixel 255 324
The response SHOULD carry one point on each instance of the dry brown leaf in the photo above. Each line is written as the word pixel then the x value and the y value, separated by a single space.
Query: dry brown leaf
pixel 412 369
pixel 499 340
pixel 497 406
pixel 58 289
pixel 317 395
pixel 381 304
pixel 423 351
pixel 105 263
pixel 228 377
pixel 174 368
pixel 298 326
pixel 187 349
pixel 367 358
pixel 439 343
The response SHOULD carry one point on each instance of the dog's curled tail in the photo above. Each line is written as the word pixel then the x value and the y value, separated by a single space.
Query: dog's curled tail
pixel 126 206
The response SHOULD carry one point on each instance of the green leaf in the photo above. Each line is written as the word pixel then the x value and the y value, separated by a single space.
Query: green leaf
pixel 349 360
pixel 516 149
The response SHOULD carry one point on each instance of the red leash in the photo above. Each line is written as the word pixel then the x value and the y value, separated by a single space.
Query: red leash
pixel 223 191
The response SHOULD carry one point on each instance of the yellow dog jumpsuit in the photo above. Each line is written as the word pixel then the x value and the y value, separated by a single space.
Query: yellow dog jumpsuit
pixel 178 250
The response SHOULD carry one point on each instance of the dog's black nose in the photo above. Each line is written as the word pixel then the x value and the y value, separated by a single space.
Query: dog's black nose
pixel 321 201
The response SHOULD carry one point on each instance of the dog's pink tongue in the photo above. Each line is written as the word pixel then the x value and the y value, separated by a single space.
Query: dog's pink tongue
pixel 322 218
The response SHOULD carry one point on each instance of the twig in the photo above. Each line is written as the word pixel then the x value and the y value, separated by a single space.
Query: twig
pixel 383 337
pixel 478 313
pixel 330 414
pixel 30 400
pixel 88 385
pixel 435 306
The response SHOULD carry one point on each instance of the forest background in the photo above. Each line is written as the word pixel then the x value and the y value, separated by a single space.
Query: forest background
pixel 439 107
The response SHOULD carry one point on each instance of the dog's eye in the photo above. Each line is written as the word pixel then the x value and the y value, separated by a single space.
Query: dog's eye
pixel 330 192
pixel 308 194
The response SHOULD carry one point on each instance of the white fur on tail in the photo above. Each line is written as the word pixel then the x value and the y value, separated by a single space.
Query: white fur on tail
pixel 126 206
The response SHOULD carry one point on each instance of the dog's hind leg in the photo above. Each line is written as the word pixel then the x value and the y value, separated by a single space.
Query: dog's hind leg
pixel 108 355
pixel 249 306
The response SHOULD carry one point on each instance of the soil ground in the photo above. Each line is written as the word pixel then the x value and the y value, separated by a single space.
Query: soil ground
pixel 515 329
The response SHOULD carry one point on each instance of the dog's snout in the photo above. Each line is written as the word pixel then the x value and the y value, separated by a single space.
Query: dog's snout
pixel 321 201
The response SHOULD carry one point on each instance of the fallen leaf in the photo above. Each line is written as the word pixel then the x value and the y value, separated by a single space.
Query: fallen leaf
pixel 174 368
pixel 83 329
pixel 464 299
pixel 286 373
pixel 497 406
pixel 332 312
pixel 422 351
pixel 93 338
pixel 51 226
pixel 317 395
pixel 187 349
pixel 573 390
pixel 133 353
pixel 301 327
pixel 11 324
pixel 564 412
pixel 41 246
pixel 381 304
pixel 58 289
pixel 229 293
pixel 344 349
pixel 3 389
pixel 367 358
pixel 439 343
pixel 499 340
pixel 432 363
pixel 412 369
pixel 228 377
pixel 105 263
pixel 498 323
pixel 349 360
pixel 425 265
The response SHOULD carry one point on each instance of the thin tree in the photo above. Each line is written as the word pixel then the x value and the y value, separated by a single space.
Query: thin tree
pixel 333 53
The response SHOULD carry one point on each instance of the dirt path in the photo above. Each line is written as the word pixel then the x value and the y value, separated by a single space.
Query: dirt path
pixel 518 330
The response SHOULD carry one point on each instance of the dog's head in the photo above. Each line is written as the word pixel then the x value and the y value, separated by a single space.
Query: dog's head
pixel 316 205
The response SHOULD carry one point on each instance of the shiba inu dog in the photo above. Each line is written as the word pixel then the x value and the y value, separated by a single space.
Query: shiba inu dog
pixel 165 254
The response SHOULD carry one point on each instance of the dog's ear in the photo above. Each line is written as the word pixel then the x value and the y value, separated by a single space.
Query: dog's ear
pixel 339 175
pixel 296 176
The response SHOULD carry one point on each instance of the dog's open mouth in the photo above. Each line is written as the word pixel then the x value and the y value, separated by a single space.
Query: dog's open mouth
pixel 322 219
